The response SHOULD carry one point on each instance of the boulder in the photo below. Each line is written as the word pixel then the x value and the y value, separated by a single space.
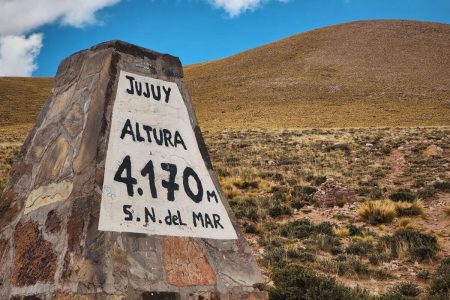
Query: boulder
pixel 433 151
pixel 331 192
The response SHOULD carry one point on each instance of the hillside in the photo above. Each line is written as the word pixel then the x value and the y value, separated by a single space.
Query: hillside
pixel 359 74
pixel 369 73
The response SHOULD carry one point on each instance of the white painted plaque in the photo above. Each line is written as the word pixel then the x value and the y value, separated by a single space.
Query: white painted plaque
pixel 156 181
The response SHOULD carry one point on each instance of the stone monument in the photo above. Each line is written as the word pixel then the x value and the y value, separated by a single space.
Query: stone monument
pixel 113 196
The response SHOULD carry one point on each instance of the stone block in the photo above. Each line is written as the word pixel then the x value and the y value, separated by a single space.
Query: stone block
pixel 34 259
pixel 185 263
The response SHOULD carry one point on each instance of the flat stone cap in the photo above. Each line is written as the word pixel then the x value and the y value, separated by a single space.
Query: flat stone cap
pixel 169 61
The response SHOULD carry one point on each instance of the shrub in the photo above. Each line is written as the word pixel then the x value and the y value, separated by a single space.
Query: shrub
pixel 361 247
pixel 402 195
pixel 324 242
pixel 245 185
pixel 440 284
pixel 423 274
pixel 343 264
pixel 298 204
pixel 443 186
pixel 275 258
pixel 295 282
pixel 303 192
pixel 377 211
pixel 279 210
pixel 251 228
pixel 319 180
pixel 303 228
pixel 301 255
pixel 354 230
pixel 252 214
pixel 408 209
pixel 272 175
pixel 426 192
pixel 404 290
pixel 380 274
pixel 410 243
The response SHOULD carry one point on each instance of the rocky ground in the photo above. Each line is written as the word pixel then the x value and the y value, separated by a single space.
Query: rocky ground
pixel 299 195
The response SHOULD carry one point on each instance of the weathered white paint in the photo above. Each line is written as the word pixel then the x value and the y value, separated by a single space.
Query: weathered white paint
pixel 48 194
pixel 173 116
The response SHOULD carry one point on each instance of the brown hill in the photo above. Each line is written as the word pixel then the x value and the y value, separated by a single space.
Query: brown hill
pixel 367 73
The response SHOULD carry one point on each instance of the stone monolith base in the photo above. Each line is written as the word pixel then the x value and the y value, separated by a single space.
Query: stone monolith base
pixel 50 245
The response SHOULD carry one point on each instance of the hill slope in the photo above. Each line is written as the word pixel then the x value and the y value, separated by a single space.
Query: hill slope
pixel 367 73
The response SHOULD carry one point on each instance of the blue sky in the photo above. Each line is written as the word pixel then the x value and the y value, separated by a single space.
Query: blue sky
pixel 36 40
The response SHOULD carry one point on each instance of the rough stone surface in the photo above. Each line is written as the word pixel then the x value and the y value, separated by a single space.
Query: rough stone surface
pixel 331 192
pixel 432 151
pixel 4 247
pixel 185 263
pixel 53 161
pixel 53 222
pixel 50 247
pixel 34 259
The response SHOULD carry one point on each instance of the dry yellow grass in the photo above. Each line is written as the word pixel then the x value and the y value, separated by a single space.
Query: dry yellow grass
pixel 377 212
pixel 341 231
pixel 21 99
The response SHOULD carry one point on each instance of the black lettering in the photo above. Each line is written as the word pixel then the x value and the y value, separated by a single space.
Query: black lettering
pixel 150 215
pixel 127 129
pixel 170 185
pixel 138 134
pixel 216 219
pixel 160 140
pixel 149 170
pixel 147 91
pixel 130 90
pixel 167 137
pixel 179 218
pixel 148 129
pixel 167 92
pixel 208 221
pixel 155 95
pixel 197 218
pixel 211 195
pixel 179 140
pixel 138 86
pixel 128 179
pixel 168 219
pixel 126 210
pixel 188 172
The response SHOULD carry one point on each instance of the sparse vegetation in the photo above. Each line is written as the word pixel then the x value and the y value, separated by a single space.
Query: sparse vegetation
pixel 409 243
pixel 402 195
pixel 409 209
pixel 296 282
pixel 404 290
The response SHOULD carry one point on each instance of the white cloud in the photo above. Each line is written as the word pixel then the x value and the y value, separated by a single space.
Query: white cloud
pixel 19 17
pixel 236 7
pixel 18 54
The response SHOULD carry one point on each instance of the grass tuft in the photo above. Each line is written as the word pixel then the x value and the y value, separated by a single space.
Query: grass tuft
pixel 377 211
